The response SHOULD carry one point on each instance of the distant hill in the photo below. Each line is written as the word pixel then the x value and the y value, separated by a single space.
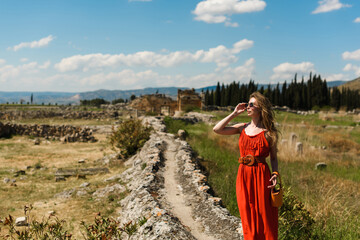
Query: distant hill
pixel 353 85
pixel 39 97
pixel 109 95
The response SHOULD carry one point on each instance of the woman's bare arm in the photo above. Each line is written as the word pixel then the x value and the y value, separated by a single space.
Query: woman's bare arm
pixel 220 127
pixel 274 165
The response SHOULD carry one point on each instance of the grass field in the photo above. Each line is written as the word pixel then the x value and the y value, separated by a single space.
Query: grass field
pixel 331 195
pixel 38 187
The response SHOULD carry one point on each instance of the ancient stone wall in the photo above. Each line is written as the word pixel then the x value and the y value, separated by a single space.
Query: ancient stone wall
pixel 187 98
pixel 65 133
pixel 108 111
pixel 156 103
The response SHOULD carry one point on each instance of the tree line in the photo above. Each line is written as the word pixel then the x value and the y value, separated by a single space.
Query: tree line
pixel 299 95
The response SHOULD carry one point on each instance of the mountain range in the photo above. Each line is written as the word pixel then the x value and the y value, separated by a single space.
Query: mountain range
pixel 109 95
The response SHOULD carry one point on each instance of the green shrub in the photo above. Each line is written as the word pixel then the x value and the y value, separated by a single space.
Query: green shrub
pixel 295 221
pixel 189 108
pixel 173 126
pixel 108 228
pixel 53 228
pixel 49 228
pixel 130 136
pixel 151 114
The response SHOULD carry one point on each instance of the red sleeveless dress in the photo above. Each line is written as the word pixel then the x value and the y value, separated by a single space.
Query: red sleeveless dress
pixel 258 217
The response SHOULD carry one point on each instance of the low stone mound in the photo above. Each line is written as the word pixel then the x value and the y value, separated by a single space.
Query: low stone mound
pixel 65 133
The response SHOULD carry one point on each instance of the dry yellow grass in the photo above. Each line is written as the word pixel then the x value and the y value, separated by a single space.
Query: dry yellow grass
pixel 38 186
pixel 332 194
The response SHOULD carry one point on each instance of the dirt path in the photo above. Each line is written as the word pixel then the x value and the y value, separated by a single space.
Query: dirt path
pixel 175 196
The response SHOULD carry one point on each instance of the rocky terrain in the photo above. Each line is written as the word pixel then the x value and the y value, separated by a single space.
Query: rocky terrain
pixel 65 133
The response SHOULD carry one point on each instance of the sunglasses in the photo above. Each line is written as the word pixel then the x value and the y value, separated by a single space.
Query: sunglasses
pixel 250 105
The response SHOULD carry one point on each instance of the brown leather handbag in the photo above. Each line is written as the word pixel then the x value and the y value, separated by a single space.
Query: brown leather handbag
pixel 277 194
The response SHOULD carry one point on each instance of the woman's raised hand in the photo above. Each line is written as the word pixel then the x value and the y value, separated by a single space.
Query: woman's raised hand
pixel 240 108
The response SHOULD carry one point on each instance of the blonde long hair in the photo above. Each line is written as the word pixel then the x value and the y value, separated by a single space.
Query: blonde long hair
pixel 267 116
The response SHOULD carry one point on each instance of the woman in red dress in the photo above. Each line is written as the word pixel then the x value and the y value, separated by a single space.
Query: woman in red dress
pixel 258 140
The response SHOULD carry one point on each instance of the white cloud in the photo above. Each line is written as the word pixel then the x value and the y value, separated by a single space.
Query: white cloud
pixel 130 79
pixel 2 61
pixel 329 5
pixel 355 55
pixel 230 24
pixel 24 60
pixel 34 44
pixel 9 72
pixel 286 71
pixel 46 65
pixel 357 20
pixel 352 67
pixel 220 55
pixel 335 77
pixel 32 76
pixel 215 11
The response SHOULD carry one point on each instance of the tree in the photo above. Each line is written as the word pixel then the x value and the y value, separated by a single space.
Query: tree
pixel 217 95
pixel 118 100
pixel 31 98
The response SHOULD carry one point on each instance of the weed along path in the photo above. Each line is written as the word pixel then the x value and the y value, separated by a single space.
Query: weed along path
pixel 179 205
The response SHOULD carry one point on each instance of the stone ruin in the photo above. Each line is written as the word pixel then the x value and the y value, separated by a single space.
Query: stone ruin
pixel 65 133
pixel 107 112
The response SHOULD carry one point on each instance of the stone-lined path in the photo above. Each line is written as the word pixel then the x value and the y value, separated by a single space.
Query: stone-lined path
pixel 175 196
pixel 167 187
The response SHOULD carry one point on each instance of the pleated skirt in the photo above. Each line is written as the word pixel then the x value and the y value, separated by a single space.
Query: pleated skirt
pixel 259 218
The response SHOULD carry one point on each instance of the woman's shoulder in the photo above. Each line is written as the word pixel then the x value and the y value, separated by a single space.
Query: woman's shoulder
pixel 268 137
pixel 240 126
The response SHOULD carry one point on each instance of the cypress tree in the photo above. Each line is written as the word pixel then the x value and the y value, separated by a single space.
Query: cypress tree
pixel 285 101
pixel 222 98
pixel 217 95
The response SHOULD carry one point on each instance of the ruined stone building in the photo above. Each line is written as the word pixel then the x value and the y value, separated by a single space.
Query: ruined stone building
pixel 188 98
pixel 155 103
pixel 161 104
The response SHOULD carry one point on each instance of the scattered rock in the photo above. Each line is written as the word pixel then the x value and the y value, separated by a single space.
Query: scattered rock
pixel 102 192
pixel 60 178
pixel 182 134
pixel 66 194
pixel 81 193
pixel 320 166
pixel 18 173
pixel 215 200
pixel 81 161
pixel 6 180
pixel 84 185
pixel 299 148
pixel 292 139
pixel 51 213
pixel 37 141
pixel 21 221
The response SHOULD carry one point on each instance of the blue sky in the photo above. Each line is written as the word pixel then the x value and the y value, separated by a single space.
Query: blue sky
pixel 127 44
